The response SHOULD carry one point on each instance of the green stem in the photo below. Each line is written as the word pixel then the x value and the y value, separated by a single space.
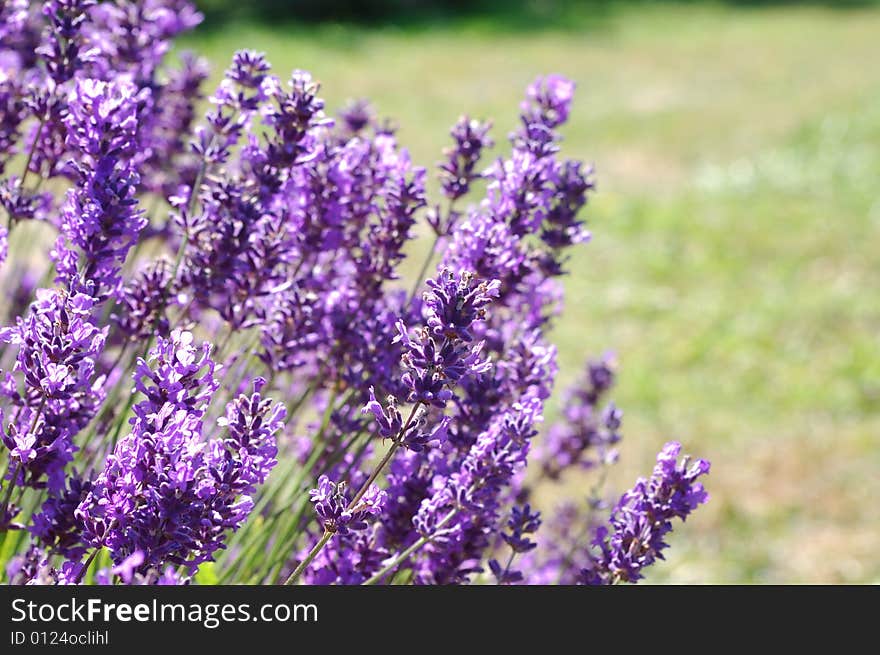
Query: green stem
pixel 397 561
pixel 255 534
pixel 190 208
pixel 421 276
pixel 313 553
pixel 391 451
pixel 285 530
pixel 354 501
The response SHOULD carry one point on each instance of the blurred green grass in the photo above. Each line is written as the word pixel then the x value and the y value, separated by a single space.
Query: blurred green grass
pixel 735 264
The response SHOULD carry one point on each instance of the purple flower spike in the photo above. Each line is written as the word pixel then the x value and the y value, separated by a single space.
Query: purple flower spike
pixel 176 371
pixel 548 100
pixel 166 490
pixel 444 353
pixel 356 115
pixel 331 505
pixel 586 437
pixel 634 538
pixel 457 172
pixel 62 48
pixel 522 522
pixel 58 347
pixel 454 302
pixel 102 118
pixel 100 220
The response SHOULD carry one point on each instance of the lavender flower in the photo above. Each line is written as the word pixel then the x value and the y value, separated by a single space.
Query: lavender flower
pixel 350 211
pixel 58 345
pixel 521 522
pixel 240 243
pixel 570 184
pixel 457 172
pixel 141 302
pixel 235 101
pixel 548 101
pixel 129 571
pixel 55 526
pixel 249 448
pixel 586 436
pixel 643 517
pixel 473 491
pixel 102 119
pixel 12 114
pixel 134 37
pixel 294 116
pixel 101 217
pixel 29 567
pixel 356 115
pixel 62 51
pixel 333 508
pixel 412 434
pixel 388 418
pixel 165 490
pixel 453 304
pixel 168 126
pixel 22 204
pixel 177 373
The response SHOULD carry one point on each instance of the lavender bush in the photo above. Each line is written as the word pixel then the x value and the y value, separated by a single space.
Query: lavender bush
pixel 214 357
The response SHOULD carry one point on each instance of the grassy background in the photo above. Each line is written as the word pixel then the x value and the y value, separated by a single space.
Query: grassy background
pixel 736 261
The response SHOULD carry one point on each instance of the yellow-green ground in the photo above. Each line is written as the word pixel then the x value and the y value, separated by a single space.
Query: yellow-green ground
pixel 735 267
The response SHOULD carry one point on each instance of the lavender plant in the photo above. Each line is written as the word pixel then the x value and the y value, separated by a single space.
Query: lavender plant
pixel 211 359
